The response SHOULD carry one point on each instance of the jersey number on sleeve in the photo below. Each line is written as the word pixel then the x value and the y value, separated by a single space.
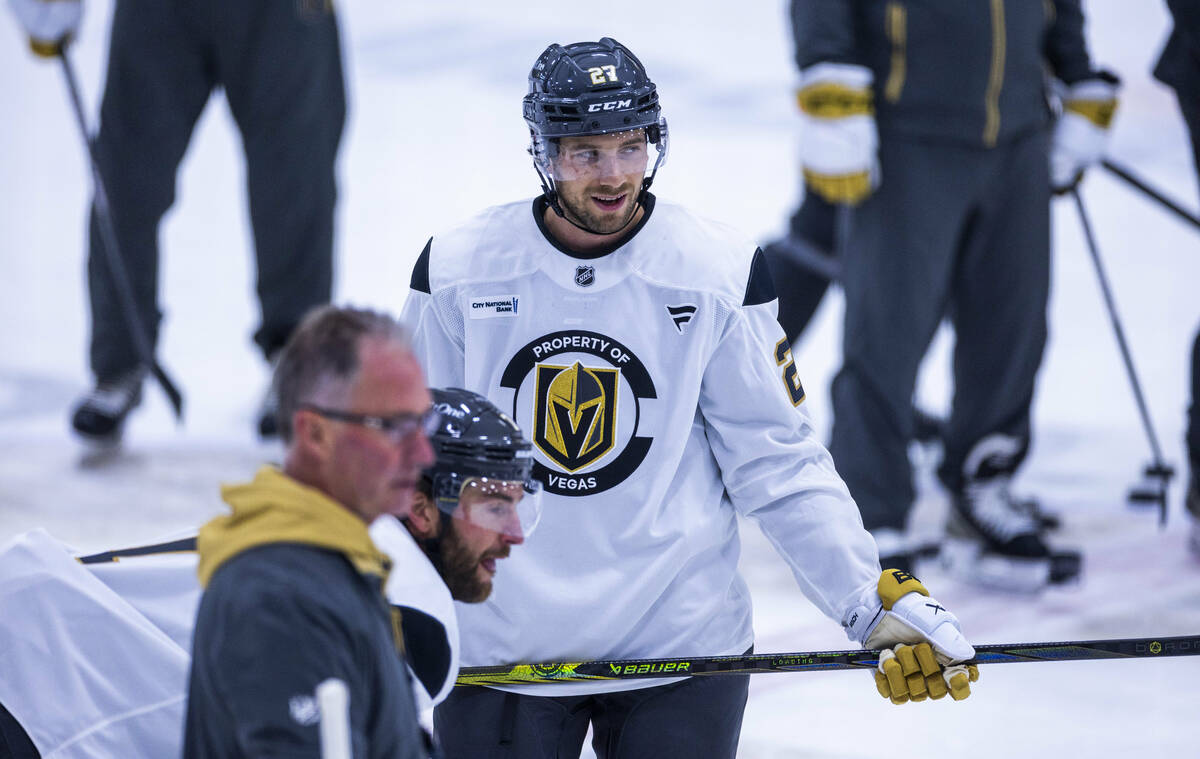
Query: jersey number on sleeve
pixel 791 379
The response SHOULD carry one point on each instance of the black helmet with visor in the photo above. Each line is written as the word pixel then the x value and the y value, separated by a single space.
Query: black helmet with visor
pixel 590 88
pixel 483 458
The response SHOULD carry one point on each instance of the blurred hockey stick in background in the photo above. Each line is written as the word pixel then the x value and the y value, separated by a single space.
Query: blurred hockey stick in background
pixel 112 255
pixel 1150 192
pixel 1157 474
pixel 992 653
pixel 812 258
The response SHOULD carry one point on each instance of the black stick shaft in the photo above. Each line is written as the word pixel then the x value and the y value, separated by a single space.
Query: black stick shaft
pixel 1122 343
pixel 810 661
pixel 813 259
pixel 112 255
pixel 1150 192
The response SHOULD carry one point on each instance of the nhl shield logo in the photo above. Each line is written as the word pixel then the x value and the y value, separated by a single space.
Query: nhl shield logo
pixel 585 275
pixel 575 417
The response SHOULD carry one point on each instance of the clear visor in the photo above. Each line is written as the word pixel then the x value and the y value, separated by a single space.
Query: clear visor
pixel 599 156
pixel 508 507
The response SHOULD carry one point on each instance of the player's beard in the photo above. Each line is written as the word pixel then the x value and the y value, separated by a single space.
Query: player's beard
pixel 460 568
pixel 578 210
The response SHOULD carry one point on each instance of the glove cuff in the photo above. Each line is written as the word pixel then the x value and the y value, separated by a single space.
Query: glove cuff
pixel 46 49
pixel 1094 99
pixel 835 91
pixel 861 618
pixel 860 621
pixel 894 584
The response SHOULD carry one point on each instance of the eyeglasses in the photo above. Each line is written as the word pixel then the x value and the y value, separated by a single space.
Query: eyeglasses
pixel 398 427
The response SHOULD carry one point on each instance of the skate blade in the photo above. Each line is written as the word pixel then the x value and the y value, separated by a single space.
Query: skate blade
pixel 967 562
pixel 98 450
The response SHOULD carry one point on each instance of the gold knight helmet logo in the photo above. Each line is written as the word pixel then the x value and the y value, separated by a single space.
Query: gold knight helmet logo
pixel 565 387
pixel 575 416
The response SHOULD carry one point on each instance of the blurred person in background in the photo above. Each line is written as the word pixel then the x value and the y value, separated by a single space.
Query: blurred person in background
pixel 280 66
pixel 930 121
pixel 1179 68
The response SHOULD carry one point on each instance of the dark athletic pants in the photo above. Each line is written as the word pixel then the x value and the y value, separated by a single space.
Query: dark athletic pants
pixel 1191 116
pixel 951 231
pixel 279 62
pixel 800 290
pixel 698 717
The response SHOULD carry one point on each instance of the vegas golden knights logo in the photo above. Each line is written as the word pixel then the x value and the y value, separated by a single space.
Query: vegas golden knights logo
pixel 574 421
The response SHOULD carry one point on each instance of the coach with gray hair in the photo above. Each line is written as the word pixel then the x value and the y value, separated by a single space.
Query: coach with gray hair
pixel 293 583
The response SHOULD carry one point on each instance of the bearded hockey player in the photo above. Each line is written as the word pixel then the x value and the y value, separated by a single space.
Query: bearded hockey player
pixel 96 648
pixel 637 345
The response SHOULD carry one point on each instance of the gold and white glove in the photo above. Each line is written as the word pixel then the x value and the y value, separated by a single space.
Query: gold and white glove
pixel 839 144
pixel 922 642
pixel 1081 133
pixel 50 24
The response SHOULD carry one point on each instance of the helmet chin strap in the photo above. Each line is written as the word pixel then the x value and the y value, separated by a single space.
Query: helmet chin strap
pixel 551 194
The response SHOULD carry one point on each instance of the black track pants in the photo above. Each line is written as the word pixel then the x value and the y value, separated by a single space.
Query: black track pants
pixel 698 717
pixel 279 62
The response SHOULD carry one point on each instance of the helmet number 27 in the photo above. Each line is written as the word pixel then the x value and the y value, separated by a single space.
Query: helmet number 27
pixel 791 379
pixel 603 74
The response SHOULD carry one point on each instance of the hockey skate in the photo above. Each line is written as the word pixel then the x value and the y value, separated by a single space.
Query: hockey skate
pixel 994 540
pixel 928 428
pixel 990 542
pixel 1047 520
pixel 99 417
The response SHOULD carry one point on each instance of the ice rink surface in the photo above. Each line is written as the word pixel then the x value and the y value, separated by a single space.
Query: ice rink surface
pixel 434 134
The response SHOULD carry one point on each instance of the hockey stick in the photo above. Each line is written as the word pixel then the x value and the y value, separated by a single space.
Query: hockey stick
pixel 1149 191
pixel 112 255
pixel 1158 471
pixel 810 661
pixel 810 257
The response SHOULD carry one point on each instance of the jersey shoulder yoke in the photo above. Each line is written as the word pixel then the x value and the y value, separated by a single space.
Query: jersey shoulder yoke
pixel 695 253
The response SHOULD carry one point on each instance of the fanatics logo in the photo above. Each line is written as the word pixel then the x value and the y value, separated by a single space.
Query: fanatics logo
pixel 491 306
pixel 585 275
pixel 681 315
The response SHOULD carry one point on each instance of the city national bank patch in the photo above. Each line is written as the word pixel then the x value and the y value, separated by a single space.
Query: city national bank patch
pixel 492 306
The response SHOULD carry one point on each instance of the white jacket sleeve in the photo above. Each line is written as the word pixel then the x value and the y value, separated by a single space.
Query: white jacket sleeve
pixel 775 470
pixel 84 672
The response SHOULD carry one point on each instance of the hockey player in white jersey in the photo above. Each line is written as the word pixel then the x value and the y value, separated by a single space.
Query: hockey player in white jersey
pixel 94 649
pixel 638 347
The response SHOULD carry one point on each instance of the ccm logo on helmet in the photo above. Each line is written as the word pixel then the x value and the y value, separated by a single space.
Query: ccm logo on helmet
pixel 611 105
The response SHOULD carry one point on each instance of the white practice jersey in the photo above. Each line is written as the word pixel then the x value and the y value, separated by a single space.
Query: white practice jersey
pixel 95 651
pixel 662 399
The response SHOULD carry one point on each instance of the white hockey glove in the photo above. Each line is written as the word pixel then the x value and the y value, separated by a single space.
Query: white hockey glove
pixel 921 640
pixel 1081 134
pixel 839 144
pixel 50 24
